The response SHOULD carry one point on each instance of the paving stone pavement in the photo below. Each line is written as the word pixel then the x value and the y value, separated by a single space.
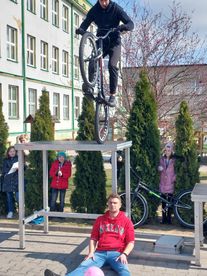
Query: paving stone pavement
pixel 63 251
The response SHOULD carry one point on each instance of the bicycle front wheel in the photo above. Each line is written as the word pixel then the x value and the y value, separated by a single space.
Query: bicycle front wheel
pixel 184 209
pixel 139 208
pixel 101 122
pixel 87 59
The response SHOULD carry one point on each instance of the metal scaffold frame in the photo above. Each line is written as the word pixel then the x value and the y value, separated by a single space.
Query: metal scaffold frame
pixel 46 146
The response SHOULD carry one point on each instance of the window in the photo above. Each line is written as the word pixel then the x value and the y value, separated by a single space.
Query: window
pixel 65 63
pixel 11 43
pixel 55 60
pixel 32 101
pixel 76 67
pixel 65 19
pixel 77 107
pixel 44 9
pixel 31 50
pixel 44 55
pixel 55 12
pixel 13 102
pixel 76 22
pixel 66 107
pixel 31 5
pixel 56 105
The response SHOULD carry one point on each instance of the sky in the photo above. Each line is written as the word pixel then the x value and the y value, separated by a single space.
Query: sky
pixel 197 9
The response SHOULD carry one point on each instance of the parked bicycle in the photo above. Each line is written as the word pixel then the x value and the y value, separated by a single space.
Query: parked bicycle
pixel 182 205
pixel 91 67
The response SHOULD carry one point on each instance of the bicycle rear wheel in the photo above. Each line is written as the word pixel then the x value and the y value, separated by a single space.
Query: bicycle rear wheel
pixel 101 122
pixel 139 208
pixel 87 59
pixel 184 209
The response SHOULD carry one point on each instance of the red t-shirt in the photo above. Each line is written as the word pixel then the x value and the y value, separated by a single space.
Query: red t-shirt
pixel 113 234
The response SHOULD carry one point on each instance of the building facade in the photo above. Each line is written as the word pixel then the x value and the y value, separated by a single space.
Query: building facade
pixel 39 51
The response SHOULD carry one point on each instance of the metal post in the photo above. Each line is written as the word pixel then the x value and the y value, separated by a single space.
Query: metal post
pixel 127 182
pixel 21 199
pixel 45 188
pixel 114 171
pixel 197 232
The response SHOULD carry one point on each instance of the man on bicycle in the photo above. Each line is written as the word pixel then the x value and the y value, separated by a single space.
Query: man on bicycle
pixel 107 14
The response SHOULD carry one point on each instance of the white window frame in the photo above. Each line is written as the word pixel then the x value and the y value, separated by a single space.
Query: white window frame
pixel 65 18
pixel 44 9
pixel 31 50
pixel 31 5
pixel 66 107
pixel 76 68
pixel 65 63
pixel 55 13
pixel 55 60
pixel 44 55
pixel 32 101
pixel 56 105
pixel 12 50
pixel 13 102
pixel 76 24
pixel 77 107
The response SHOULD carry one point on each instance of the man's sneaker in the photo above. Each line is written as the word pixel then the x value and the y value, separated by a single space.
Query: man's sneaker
pixel 112 101
pixel 10 215
pixel 50 273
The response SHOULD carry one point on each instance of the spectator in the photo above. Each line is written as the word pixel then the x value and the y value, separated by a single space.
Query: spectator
pixel 10 179
pixel 60 172
pixel 167 180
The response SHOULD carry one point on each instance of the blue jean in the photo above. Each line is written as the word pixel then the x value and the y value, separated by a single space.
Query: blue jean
pixel 102 258
pixel 10 200
pixel 54 196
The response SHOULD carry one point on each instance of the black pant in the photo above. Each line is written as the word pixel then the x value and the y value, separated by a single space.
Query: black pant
pixel 114 53
pixel 166 212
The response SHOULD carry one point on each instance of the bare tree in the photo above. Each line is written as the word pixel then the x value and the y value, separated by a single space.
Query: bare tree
pixel 171 53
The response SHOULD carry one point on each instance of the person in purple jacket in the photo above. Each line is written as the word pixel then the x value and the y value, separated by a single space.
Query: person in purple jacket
pixel 167 180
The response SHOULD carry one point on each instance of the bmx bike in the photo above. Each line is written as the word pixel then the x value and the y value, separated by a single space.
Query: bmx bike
pixel 92 71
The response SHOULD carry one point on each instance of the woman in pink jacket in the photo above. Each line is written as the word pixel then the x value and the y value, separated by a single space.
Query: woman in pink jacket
pixel 167 180
pixel 60 172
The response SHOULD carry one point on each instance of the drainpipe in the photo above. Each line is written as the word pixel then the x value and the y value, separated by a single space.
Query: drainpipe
pixel 72 72
pixel 23 66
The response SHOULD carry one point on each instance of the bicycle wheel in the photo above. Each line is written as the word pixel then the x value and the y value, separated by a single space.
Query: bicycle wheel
pixel 101 122
pixel 139 208
pixel 87 60
pixel 184 209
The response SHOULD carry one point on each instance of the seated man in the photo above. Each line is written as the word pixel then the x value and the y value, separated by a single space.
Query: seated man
pixel 112 240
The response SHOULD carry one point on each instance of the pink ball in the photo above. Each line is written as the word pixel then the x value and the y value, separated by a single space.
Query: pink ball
pixel 94 271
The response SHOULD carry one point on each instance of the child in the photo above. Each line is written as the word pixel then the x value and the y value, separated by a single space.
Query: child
pixel 60 172
pixel 167 180
pixel 10 179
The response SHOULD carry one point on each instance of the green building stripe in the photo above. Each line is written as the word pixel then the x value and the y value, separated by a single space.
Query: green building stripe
pixel 23 66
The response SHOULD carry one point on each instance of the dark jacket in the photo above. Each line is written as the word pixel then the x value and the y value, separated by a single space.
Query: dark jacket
pixel 9 181
pixel 108 18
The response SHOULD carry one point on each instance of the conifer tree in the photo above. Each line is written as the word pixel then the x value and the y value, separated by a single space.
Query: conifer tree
pixel 3 146
pixel 186 166
pixel 41 130
pixel 89 195
pixel 143 131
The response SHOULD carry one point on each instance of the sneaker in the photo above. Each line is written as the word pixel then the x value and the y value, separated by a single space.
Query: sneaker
pixel 112 101
pixel 10 215
pixel 50 273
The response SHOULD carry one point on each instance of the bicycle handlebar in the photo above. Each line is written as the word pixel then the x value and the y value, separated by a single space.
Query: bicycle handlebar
pixel 82 32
